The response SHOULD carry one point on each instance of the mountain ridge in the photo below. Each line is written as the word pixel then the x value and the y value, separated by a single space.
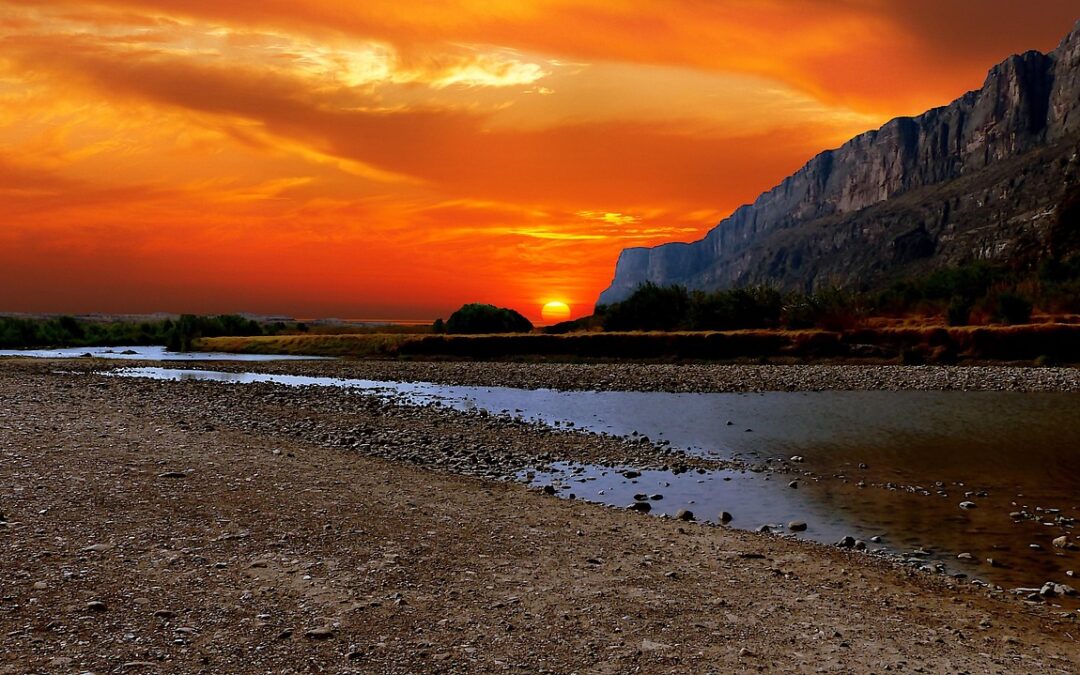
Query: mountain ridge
pixel 840 220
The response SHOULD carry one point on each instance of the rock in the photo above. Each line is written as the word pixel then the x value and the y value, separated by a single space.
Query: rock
pixel 846 542
pixel 164 614
pixel 794 485
pixel 641 507
pixel 745 653
pixel 876 539
pixel 798 459
pixel 685 515
pixel 641 497
pixel 650 646
pixel 1064 543
pixel 859 545
pixel 965 556
pixel 96 606
pixel 968 505
pixel 98 548
pixel 797 526
pixel 549 489
pixel 172 474
pixel 631 474
pixel 764 529
pixel 285 634
pixel 136 665
pixel 40 586
pixel 725 517
pixel 1026 103
pixel 321 633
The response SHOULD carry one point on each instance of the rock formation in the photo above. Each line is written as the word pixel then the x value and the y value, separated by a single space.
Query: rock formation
pixel 978 179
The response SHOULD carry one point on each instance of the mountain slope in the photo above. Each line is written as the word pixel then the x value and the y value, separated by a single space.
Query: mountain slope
pixel 979 178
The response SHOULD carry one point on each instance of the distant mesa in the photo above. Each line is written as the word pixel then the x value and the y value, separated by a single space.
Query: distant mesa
pixel 978 179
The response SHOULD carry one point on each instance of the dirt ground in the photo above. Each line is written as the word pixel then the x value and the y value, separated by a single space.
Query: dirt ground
pixel 142 538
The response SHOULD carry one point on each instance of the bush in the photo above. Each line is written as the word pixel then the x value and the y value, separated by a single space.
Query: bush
pixel 478 318
pixel 651 307
pixel 959 312
pixel 1013 308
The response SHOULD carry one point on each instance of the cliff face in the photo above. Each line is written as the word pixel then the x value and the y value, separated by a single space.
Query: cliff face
pixel 976 179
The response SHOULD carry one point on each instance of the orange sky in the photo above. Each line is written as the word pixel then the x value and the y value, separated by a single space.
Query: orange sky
pixel 400 158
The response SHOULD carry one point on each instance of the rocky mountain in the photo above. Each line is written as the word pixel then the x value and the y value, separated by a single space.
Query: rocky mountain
pixel 978 179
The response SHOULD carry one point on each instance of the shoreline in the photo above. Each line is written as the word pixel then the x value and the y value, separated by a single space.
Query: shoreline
pixel 226 528
pixel 673 378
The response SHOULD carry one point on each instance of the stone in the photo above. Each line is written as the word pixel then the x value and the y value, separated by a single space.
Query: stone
pixel 794 485
pixel 968 505
pixel 1062 542
pixel 965 556
pixel 172 474
pixel 631 474
pixel 641 507
pixel 764 529
pixel 98 548
pixel 725 517
pixel 797 526
pixel 846 542
pixel 320 633
pixel 96 606
pixel 40 586
pixel 164 614
pixel 684 514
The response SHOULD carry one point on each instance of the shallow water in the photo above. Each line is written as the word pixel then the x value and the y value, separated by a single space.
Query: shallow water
pixel 919 454
pixel 153 353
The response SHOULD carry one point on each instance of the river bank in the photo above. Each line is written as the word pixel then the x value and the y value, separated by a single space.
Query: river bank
pixel 222 530
pixel 688 377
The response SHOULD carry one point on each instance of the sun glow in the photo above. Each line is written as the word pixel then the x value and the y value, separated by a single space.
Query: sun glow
pixel 555 311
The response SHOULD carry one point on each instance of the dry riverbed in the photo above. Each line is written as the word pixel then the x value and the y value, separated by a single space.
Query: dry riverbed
pixel 194 527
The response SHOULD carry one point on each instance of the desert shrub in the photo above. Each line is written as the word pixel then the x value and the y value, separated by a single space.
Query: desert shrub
pixel 1013 308
pixel 476 318
pixel 959 311
pixel 650 307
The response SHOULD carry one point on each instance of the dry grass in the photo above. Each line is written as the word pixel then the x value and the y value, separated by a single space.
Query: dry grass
pixel 1059 342
pixel 359 345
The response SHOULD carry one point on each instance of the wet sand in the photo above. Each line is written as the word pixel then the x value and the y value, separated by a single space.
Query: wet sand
pixel 221 529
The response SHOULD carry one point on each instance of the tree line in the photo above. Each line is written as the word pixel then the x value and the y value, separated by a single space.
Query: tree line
pixel 177 334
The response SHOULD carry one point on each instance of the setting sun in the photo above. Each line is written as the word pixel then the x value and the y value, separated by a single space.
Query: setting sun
pixel 555 311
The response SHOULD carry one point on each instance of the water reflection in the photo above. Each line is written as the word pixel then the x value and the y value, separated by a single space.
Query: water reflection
pixel 895 464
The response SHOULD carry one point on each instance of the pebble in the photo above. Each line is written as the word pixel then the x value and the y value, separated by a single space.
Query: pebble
pixel 322 633
pixel 797 526
pixel 641 507
pixel 684 514
pixel 96 606
pixel 968 505
pixel 725 517
pixel 172 474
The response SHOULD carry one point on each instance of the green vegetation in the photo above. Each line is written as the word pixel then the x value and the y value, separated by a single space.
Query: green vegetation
pixel 475 319
pixel 66 331
pixel 975 294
